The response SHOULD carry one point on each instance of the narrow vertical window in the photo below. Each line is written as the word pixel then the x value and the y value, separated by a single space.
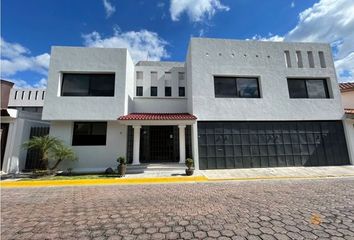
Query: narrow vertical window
pixel 299 59
pixel 23 94
pixel 310 58
pixel 287 59
pixel 16 92
pixel 181 92
pixel 36 96
pixel 139 91
pixel 168 92
pixel 43 95
pixel 29 95
pixel 153 91
pixel 322 59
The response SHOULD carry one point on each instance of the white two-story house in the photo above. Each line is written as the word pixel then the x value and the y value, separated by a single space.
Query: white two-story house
pixel 231 104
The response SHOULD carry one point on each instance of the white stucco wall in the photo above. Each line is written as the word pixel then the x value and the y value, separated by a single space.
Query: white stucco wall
pixel 209 57
pixel 348 99
pixel 30 97
pixel 85 60
pixel 349 133
pixel 92 158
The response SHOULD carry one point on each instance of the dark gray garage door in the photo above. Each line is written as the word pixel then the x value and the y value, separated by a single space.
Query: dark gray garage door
pixel 271 144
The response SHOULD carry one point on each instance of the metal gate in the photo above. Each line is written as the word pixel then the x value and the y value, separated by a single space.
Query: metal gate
pixel 33 156
pixel 271 144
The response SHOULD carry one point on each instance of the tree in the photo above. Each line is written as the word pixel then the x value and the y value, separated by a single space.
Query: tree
pixel 61 152
pixel 43 144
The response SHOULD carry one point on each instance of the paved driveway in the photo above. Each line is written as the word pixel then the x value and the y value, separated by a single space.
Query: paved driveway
pixel 297 209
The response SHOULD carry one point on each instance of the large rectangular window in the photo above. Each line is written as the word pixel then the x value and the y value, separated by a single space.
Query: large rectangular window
pixel 87 84
pixel 308 88
pixel 89 133
pixel 153 91
pixel 236 87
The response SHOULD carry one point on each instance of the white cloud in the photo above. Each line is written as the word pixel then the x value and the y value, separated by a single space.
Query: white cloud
pixel 16 58
pixel 330 21
pixel 197 10
pixel 142 45
pixel 109 8
pixel 292 4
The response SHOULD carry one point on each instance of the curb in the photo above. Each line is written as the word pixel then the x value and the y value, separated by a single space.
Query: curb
pixel 115 181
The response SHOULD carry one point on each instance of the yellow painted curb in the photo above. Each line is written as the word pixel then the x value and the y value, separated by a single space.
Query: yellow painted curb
pixel 121 181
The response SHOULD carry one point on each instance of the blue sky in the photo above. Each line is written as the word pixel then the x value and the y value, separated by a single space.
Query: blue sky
pixel 160 29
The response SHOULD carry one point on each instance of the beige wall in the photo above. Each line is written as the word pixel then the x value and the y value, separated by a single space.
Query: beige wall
pixel 348 99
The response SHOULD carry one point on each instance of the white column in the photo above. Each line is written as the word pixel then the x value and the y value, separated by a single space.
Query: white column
pixel 136 145
pixel 182 143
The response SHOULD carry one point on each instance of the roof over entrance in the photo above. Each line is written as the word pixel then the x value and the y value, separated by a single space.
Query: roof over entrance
pixel 346 87
pixel 158 116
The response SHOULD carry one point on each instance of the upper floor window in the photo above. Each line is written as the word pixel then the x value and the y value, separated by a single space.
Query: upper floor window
pixel 180 75
pixel 89 133
pixel 139 75
pixel 236 87
pixel 87 84
pixel 153 91
pixel 139 91
pixel 308 88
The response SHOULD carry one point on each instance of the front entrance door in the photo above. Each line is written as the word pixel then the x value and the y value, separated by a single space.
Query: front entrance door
pixel 159 144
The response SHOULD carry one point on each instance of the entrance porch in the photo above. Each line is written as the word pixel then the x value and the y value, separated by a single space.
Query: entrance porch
pixel 158 138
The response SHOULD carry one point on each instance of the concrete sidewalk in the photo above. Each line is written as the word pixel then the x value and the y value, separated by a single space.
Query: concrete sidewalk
pixel 283 172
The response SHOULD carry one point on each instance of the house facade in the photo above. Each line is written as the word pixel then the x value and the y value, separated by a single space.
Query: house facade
pixel 231 104
pixel 20 115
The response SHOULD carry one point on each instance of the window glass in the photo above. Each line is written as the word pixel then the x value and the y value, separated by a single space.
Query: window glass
pixel 247 88
pixel 153 92
pixel 317 89
pixel 297 88
pixel 181 92
pixel 77 84
pixel 167 91
pixel 102 85
pixel 139 91
pixel 308 88
pixel 89 133
pixel 225 87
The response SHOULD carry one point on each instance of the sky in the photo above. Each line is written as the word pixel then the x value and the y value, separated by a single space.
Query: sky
pixel 161 29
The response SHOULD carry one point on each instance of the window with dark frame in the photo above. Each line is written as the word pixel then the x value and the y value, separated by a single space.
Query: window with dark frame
pixel 89 133
pixel 168 92
pixel 308 88
pixel 139 91
pixel 181 92
pixel 153 91
pixel 236 87
pixel 88 84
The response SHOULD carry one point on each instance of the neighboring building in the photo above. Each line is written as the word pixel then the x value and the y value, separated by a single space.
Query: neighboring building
pixel 18 118
pixel 232 104
pixel 347 91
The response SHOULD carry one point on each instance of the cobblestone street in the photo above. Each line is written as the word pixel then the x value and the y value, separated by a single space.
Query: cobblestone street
pixel 283 209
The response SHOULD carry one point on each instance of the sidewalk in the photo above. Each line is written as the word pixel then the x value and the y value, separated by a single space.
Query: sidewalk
pixel 283 172
pixel 175 176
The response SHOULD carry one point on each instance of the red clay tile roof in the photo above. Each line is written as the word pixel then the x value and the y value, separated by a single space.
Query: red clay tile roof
pixel 346 87
pixel 349 111
pixel 158 116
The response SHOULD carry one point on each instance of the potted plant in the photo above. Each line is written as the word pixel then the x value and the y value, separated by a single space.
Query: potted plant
pixel 190 164
pixel 122 167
